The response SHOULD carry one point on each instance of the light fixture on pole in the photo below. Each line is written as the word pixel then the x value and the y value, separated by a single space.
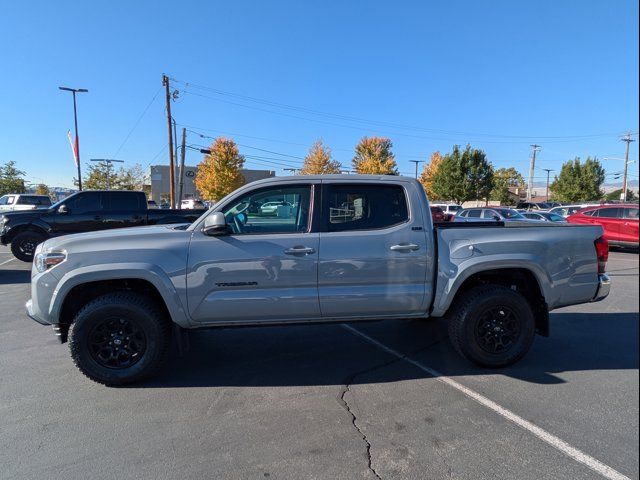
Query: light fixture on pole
pixel 109 162
pixel 75 121
pixel 417 162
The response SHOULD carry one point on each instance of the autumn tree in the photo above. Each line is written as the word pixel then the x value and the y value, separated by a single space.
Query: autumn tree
pixel 503 179
pixel 373 156
pixel 42 189
pixel 219 172
pixel 578 182
pixel 11 179
pixel 463 175
pixel 318 161
pixel 429 171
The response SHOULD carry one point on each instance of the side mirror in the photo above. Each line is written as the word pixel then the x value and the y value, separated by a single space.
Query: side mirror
pixel 215 225
pixel 62 209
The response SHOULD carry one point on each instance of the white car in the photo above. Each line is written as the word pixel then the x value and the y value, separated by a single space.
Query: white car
pixel 449 209
pixel 19 201
pixel 191 204
pixel 566 210
pixel 271 208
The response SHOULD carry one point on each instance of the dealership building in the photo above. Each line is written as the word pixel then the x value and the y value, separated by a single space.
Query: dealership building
pixel 158 178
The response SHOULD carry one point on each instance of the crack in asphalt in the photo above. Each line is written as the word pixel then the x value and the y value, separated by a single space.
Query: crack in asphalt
pixel 345 405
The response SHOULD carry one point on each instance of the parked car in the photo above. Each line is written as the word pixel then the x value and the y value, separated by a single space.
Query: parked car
pixel 84 211
pixel 19 201
pixel 566 210
pixel 528 206
pixel 271 208
pixel 118 295
pixel 449 209
pixel 437 214
pixel 151 204
pixel 620 222
pixel 495 214
pixel 545 217
pixel 192 203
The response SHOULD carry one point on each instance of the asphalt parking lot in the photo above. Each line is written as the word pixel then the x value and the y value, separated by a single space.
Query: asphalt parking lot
pixel 375 400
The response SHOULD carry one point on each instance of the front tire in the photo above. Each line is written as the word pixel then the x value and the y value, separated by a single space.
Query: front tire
pixel 492 326
pixel 119 338
pixel 23 245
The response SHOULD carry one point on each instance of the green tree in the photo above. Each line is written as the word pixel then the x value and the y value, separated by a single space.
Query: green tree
pixel 100 176
pixel 463 175
pixel 373 156
pixel 615 195
pixel 11 179
pixel 578 182
pixel 318 161
pixel 219 173
pixel 503 179
pixel 131 178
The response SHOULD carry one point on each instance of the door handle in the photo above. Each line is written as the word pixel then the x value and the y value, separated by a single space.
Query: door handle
pixel 405 247
pixel 300 251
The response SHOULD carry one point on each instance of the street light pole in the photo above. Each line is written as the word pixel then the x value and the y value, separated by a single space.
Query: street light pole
pixel 548 170
pixel 417 162
pixel 75 121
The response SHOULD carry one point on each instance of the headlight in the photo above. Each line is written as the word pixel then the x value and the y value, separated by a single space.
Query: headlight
pixel 46 260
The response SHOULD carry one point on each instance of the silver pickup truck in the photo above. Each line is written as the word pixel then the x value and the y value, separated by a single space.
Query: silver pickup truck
pixel 337 248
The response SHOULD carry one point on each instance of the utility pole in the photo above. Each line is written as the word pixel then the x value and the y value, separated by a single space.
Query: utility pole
pixel 181 171
pixel 627 138
pixel 417 162
pixel 172 181
pixel 532 168
pixel 75 121
pixel 548 170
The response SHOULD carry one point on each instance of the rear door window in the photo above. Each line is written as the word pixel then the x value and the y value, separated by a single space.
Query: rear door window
pixel 630 213
pixel 365 207
pixel 123 202
pixel 609 212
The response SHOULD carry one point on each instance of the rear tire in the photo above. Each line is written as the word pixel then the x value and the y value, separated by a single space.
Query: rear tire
pixel 23 245
pixel 492 326
pixel 119 338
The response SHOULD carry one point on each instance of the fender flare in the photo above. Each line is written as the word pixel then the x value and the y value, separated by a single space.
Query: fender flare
pixel 119 271
pixel 465 270
pixel 33 226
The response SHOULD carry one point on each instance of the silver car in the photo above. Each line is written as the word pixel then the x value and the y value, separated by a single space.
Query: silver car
pixel 485 214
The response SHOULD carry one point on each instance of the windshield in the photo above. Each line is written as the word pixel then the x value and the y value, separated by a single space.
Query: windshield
pixel 509 213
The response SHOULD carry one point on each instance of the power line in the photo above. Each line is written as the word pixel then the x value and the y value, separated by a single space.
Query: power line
pixel 368 121
pixel 137 122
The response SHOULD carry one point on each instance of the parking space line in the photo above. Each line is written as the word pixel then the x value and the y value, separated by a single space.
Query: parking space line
pixel 542 434
pixel 7 261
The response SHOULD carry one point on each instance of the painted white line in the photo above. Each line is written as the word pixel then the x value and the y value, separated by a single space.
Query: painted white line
pixel 7 261
pixel 543 435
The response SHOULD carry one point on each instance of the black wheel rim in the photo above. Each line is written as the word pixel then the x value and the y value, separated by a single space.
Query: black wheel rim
pixel 117 343
pixel 28 246
pixel 497 330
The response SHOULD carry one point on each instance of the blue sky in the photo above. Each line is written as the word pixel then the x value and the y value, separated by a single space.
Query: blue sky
pixel 497 74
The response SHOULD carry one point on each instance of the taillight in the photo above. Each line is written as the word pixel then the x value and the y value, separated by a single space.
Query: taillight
pixel 602 252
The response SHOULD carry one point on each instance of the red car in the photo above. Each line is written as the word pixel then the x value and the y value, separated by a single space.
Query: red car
pixel 438 215
pixel 620 222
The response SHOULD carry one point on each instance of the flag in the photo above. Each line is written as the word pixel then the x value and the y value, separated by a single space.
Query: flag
pixel 74 147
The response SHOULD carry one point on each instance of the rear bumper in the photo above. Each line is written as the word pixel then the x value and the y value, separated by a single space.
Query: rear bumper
pixel 604 286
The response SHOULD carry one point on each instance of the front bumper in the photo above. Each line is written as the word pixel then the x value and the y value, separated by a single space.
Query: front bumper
pixel 604 287
pixel 32 313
